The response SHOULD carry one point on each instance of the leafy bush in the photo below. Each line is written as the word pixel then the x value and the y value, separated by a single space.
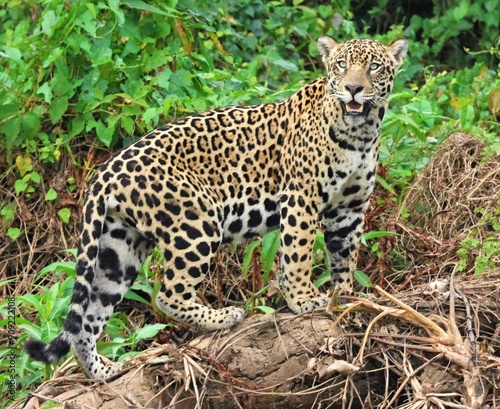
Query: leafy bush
pixel 483 249
pixel 422 117
pixel 116 69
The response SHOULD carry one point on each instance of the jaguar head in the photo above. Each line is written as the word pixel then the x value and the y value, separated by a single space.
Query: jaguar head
pixel 361 72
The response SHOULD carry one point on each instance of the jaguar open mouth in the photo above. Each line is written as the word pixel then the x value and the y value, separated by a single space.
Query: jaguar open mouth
pixel 354 108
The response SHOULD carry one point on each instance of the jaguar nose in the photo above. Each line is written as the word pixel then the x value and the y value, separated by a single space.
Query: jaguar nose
pixel 354 89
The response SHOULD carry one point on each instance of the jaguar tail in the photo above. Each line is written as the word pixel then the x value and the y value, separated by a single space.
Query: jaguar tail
pixel 92 225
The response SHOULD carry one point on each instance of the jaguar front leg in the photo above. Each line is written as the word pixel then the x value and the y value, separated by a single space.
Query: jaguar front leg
pixel 298 229
pixel 343 230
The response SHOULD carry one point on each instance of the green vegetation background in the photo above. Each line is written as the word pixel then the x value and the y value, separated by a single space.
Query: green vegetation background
pixel 91 76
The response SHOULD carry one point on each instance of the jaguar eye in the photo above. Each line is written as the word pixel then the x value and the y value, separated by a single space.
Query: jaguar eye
pixel 342 65
pixel 374 66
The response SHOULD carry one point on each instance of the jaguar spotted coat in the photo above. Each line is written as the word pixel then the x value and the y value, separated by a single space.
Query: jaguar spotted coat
pixel 227 175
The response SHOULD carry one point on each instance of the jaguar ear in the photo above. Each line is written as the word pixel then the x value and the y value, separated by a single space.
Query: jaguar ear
pixel 398 51
pixel 325 46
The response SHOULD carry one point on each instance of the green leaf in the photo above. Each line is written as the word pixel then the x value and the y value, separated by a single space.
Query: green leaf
pixel 58 108
pixel 49 20
pixel 101 51
pixel 32 300
pixel 20 186
pixel 105 134
pixel 64 214
pixel 286 65
pixel 461 11
pixel 131 110
pixel 32 330
pixel 14 232
pixel 49 331
pixel 30 125
pixel 375 235
pixel 149 331
pixel 112 120
pixel 8 213
pixel 270 246
pixel 151 113
pixel 87 22
pixel 248 257
pixel 91 8
pixel 13 53
pixel 35 177
pixel 128 124
pixel 46 91
pixel 265 309
pixel 51 195
pixel 139 4
pixel 467 117
pixel 68 267
pixel 132 295
pixel 61 304
pixel 76 125
pixel 4 283
pixel 73 252
pixel 385 185
pixel 112 348
pixel 11 129
pixel 324 278
pixel 362 279
pixel 491 5
pixel 410 122
pixel 114 5
pixel 61 85
pixel 8 110
pixel 54 55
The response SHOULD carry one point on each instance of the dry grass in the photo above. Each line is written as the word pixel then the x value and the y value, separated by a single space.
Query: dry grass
pixel 442 206
pixel 43 235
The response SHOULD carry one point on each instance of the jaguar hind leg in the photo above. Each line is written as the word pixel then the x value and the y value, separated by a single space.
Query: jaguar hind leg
pixel 122 250
pixel 187 260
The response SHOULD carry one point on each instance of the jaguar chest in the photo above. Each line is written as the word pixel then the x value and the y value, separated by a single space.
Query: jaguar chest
pixel 349 179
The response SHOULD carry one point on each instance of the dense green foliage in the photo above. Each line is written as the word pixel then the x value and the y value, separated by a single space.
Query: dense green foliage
pixel 116 69
pixel 85 74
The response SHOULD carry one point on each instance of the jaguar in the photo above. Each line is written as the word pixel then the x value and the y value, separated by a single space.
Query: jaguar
pixel 227 175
